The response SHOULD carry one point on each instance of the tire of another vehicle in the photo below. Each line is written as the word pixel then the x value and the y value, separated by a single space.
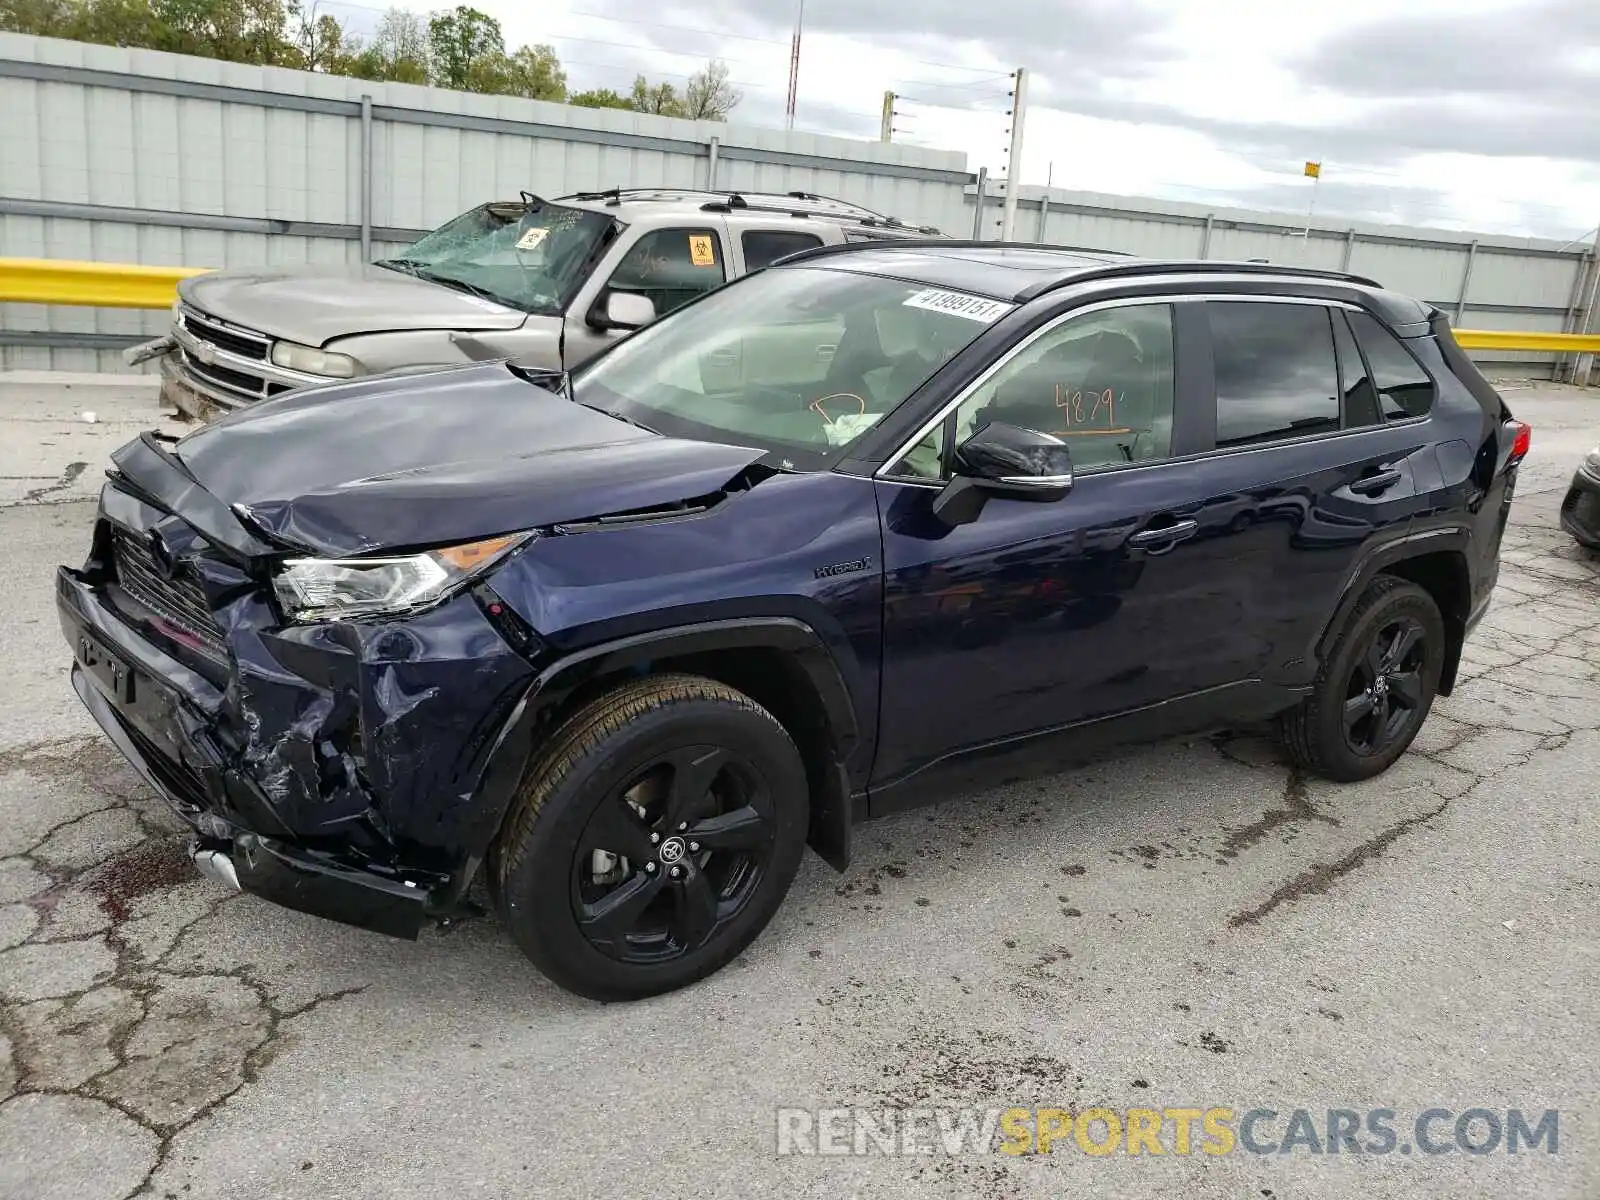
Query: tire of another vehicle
pixel 1324 733
pixel 537 865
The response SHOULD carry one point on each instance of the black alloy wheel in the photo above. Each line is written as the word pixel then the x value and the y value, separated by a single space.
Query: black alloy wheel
pixel 1375 686
pixel 654 836
pixel 670 858
pixel 1384 696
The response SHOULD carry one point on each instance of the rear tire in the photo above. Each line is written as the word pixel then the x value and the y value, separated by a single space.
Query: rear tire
pixel 1375 688
pixel 653 839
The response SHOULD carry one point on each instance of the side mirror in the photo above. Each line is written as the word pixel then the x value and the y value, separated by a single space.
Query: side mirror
pixel 628 310
pixel 1004 460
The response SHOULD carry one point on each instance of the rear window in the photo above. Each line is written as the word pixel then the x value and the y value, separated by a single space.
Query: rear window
pixel 763 246
pixel 1404 388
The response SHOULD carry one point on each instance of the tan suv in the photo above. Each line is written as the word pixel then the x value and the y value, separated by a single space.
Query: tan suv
pixel 547 282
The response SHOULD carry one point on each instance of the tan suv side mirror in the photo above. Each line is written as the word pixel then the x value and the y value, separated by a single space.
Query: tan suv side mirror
pixel 629 310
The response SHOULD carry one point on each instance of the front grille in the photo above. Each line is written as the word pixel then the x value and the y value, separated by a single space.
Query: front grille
pixel 212 334
pixel 252 386
pixel 236 341
pixel 178 601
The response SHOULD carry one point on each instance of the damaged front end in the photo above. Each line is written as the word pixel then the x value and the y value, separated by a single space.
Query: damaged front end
pixel 347 768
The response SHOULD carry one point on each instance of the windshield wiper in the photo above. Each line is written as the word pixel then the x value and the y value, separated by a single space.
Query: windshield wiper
pixel 614 415
pixel 551 379
pixel 409 265
pixel 460 285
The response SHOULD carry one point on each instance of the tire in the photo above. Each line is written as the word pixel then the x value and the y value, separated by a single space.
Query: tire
pixel 725 808
pixel 1349 727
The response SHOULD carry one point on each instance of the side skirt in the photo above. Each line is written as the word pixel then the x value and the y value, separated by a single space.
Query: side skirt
pixel 1051 750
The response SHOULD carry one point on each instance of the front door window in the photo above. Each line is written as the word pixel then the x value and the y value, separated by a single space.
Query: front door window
pixel 670 267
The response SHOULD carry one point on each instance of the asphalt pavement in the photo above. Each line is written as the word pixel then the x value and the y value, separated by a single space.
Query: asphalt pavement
pixel 1192 924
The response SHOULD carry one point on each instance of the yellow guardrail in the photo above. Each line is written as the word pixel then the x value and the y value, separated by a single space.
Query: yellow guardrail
pixel 99 285
pixel 1511 339
pixel 123 285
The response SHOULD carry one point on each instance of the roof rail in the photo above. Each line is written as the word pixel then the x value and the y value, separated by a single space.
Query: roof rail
pixel 860 208
pixel 1195 266
pixel 1135 265
pixel 944 243
pixel 736 201
pixel 719 201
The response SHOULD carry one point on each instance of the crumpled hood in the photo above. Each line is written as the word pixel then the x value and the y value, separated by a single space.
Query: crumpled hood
pixel 421 460
pixel 314 305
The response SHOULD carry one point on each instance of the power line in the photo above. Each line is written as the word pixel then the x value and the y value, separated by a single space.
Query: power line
pixel 634 69
pixel 935 83
pixel 743 37
pixel 717 33
pixel 565 37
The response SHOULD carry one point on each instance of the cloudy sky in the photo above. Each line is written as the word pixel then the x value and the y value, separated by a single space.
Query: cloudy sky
pixel 1475 114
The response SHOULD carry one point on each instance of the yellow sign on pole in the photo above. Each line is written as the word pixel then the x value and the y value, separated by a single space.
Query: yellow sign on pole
pixel 1314 170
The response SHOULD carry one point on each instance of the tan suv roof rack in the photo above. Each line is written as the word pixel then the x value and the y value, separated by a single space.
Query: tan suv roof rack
pixel 801 205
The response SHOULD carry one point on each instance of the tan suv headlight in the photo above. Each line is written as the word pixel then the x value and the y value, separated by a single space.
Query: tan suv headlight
pixel 308 359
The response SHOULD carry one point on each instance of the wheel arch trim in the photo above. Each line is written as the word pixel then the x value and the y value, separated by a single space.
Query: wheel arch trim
pixel 1451 539
pixel 515 744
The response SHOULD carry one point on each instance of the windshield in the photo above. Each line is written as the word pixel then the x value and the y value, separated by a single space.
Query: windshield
pixel 798 361
pixel 529 256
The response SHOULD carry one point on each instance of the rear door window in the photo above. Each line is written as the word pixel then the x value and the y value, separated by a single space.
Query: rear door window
pixel 764 246
pixel 1360 400
pixel 1275 370
pixel 1404 388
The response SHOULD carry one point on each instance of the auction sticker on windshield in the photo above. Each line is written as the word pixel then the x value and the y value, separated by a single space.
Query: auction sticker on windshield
pixel 531 237
pixel 959 304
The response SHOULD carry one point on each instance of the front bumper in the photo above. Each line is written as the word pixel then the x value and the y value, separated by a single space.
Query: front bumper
pixel 1580 509
pixel 331 776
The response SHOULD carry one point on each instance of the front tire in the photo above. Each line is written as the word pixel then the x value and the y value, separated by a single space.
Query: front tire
pixel 653 840
pixel 1375 688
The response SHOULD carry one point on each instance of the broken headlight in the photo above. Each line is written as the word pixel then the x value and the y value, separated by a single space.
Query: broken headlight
pixel 327 589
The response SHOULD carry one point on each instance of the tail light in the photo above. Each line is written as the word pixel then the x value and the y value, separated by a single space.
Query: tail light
pixel 1521 439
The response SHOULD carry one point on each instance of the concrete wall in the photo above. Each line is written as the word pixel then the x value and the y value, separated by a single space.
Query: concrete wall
pixel 137 156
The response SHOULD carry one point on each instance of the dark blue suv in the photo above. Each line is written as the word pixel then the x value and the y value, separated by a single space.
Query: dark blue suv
pixel 848 533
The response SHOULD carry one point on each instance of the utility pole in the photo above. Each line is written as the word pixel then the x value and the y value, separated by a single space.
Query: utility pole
pixel 794 65
pixel 1019 110
pixel 886 126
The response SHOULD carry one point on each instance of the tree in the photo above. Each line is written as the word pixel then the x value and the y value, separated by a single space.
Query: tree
pixel 322 42
pixel 533 72
pixel 709 96
pixel 599 98
pixel 661 99
pixel 459 38
pixel 245 31
pixel 399 51
pixel 42 18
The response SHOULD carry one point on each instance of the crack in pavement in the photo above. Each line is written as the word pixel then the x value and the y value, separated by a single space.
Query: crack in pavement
pixel 163 1045
pixel 67 479
pixel 1297 807
pixel 1320 877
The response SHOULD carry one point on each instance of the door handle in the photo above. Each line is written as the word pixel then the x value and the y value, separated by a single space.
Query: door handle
pixel 1371 485
pixel 1164 537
